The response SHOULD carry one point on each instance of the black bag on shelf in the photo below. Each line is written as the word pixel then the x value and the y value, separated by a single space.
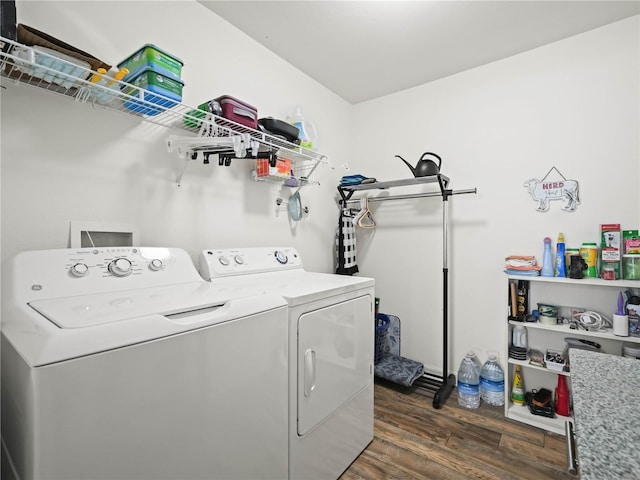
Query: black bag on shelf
pixel 279 128
pixel 539 403
pixel 7 22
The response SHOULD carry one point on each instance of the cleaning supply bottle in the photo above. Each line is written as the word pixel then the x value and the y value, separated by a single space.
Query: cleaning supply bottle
pixel 517 391
pixel 110 80
pixel 560 270
pixel 308 135
pixel 621 319
pixel 547 259
pixel 589 253
pixel 562 397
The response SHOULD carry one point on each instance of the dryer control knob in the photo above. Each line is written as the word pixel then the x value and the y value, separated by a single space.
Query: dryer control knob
pixel 120 267
pixel 79 270
pixel 238 259
pixel 281 257
pixel 223 261
pixel 155 265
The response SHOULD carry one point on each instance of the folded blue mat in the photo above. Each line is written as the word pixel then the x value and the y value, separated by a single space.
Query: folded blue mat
pixel 524 273
pixel 353 180
pixel 398 369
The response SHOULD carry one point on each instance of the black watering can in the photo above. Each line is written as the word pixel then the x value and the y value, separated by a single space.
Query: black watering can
pixel 425 167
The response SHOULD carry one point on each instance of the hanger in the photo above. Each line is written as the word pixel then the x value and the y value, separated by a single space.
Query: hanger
pixel 364 218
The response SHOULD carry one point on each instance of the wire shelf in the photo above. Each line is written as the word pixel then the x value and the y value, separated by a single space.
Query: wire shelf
pixel 296 177
pixel 210 134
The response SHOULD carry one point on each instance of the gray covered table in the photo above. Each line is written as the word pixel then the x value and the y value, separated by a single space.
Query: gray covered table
pixel 606 401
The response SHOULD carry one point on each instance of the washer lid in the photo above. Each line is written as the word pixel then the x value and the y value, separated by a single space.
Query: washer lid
pixel 97 309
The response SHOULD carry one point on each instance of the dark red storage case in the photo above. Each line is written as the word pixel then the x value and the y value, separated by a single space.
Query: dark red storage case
pixel 238 111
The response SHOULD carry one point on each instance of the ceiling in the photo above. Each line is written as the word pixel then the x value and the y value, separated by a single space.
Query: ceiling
pixel 362 50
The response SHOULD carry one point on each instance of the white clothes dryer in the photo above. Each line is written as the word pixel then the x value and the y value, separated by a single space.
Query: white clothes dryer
pixel 124 363
pixel 331 344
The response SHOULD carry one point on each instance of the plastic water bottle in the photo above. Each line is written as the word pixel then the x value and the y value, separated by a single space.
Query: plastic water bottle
pixel 476 360
pixel 469 382
pixel 492 382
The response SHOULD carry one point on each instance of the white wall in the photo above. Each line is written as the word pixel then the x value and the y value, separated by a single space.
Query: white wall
pixel 573 104
pixel 64 161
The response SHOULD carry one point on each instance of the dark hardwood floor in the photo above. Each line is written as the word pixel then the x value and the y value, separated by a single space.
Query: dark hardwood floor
pixel 415 441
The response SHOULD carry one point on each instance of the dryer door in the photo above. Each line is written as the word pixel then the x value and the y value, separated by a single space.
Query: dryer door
pixel 335 358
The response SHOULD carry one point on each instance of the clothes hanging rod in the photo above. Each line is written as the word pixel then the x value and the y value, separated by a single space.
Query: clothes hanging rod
pixel 440 386
pixel 413 195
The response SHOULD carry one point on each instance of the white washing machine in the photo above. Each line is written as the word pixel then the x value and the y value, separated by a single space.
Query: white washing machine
pixel 123 363
pixel 331 335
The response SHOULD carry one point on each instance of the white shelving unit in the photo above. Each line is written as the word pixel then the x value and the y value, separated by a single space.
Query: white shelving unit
pixel 201 134
pixel 589 293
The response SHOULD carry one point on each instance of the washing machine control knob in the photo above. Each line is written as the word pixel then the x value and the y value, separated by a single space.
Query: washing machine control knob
pixel 155 265
pixel 281 257
pixel 120 267
pixel 239 260
pixel 223 261
pixel 79 270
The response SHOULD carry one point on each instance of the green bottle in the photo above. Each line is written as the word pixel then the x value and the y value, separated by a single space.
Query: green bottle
pixel 517 391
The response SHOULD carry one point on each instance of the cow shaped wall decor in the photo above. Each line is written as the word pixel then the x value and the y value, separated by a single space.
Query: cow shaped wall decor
pixel 547 189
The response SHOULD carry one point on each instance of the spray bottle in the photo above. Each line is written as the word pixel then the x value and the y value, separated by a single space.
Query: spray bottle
pixel 308 135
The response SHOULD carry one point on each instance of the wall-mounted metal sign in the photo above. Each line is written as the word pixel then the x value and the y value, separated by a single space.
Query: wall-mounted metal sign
pixel 552 188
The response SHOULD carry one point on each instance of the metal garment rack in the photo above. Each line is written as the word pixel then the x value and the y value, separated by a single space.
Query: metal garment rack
pixel 440 386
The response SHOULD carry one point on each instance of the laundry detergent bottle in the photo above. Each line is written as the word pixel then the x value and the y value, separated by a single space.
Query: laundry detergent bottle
pixel 308 135
pixel 560 267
